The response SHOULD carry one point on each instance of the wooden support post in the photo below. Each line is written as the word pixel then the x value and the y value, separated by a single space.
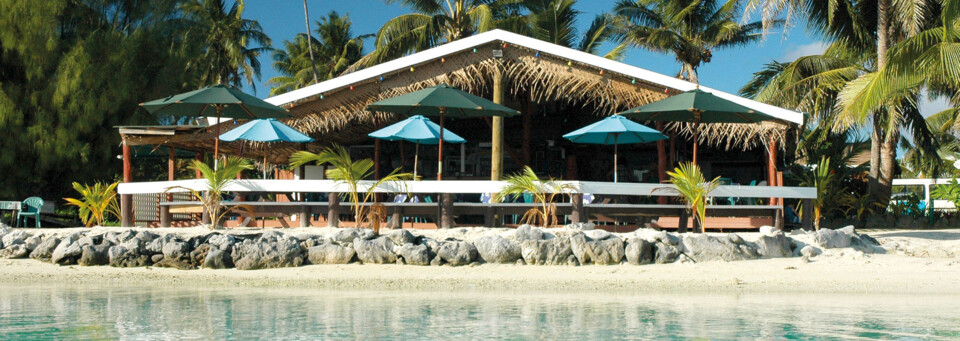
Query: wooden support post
pixel 806 217
pixel 682 225
pixel 333 210
pixel 126 200
pixel 204 216
pixel 772 165
pixel 489 216
pixel 396 219
pixel 576 208
pixel 531 110
pixel 305 211
pixel 376 156
pixel 496 141
pixel 446 211
pixel 165 217
pixel 661 163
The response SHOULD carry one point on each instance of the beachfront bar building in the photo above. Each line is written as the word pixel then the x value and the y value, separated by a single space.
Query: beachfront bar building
pixel 556 89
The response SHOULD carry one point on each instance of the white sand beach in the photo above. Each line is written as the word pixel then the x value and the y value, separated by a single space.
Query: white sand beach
pixel 916 262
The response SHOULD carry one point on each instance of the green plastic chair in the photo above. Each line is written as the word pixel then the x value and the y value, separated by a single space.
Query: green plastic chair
pixel 30 208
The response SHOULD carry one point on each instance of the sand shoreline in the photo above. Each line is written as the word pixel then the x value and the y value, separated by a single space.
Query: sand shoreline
pixel 916 262
pixel 889 274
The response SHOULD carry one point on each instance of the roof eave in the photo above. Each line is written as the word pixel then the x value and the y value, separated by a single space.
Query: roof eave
pixel 530 43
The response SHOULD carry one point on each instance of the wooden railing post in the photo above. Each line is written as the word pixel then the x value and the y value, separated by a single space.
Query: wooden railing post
pixel 165 217
pixel 576 208
pixel 806 217
pixel 446 211
pixel 126 200
pixel 682 224
pixel 333 210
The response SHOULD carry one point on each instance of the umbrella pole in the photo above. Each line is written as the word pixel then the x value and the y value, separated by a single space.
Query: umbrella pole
pixel 696 141
pixel 216 143
pixel 440 154
pixel 416 159
pixel 615 157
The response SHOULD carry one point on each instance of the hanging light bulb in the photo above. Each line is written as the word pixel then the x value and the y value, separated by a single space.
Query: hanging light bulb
pixel 601 72
pixel 351 88
pixel 411 69
pixel 569 63
pixel 474 50
pixel 381 78
pixel 537 55
pixel 443 60
pixel 321 96
pixel 633 81
pixel 504 45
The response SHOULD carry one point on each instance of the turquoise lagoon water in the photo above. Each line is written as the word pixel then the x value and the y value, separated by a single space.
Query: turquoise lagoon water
pixel 72 312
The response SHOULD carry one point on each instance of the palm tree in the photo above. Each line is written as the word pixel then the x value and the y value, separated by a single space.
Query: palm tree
pixel 96 203
pixel 313 62
pixel 217 181
pixel 871 27
pixel 348 172
pixel 433 22
pixel 544 192
pixel 335 50
pixel 227 42
pixel 555 21
pixel 689 183
pixel 689 29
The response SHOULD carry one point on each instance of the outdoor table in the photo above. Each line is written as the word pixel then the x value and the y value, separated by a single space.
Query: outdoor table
pixel 13 207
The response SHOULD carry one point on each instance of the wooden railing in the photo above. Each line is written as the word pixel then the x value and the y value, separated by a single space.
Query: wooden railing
pixel 446 189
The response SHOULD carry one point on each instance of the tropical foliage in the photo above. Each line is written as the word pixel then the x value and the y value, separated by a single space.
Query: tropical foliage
pixel 228 54
pixel 690 184
pixel 353 175
pixel 97 202
pixel 433 22
pixel 70 71
pixel 544 193
pixel 689 29
pixel 335 50
pixel 882 54
pixel 216 181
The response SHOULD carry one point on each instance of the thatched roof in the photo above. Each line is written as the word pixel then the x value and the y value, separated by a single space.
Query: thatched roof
pixel 334 110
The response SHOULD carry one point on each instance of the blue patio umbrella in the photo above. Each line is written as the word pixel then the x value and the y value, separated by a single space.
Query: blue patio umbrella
pixel 265 130
pixel 614 130
pixel 416 129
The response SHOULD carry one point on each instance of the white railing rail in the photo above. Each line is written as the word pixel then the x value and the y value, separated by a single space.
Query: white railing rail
pixel 457 187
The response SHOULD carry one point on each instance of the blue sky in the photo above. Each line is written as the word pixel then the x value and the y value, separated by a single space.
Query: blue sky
pixel 728 71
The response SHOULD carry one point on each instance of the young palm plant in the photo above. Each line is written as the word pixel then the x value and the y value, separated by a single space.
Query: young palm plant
pixel 544 192
pixel 96 202
pixel 822 179
pixel 688 182
pixel 350 173
pixel 217 180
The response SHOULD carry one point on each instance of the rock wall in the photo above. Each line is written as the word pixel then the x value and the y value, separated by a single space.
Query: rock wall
pixel 571 245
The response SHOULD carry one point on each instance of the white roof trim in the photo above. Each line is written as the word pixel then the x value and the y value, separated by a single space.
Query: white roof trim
pixel 531 43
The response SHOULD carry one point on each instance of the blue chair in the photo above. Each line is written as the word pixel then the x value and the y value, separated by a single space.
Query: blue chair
pixel 30 208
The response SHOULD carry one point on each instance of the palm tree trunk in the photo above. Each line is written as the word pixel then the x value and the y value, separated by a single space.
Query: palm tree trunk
pixel 887 149
pixel 313 62
pixel 874 175
pixel 888 164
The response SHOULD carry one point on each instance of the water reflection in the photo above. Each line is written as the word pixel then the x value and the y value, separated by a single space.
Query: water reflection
pixel 57 312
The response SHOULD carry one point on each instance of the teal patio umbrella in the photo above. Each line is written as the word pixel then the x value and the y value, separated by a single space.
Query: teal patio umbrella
pixel 696 106
pixel 442 100
pixel 265 130
pixel 219 100
pixel 615 130
pixel 416 129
